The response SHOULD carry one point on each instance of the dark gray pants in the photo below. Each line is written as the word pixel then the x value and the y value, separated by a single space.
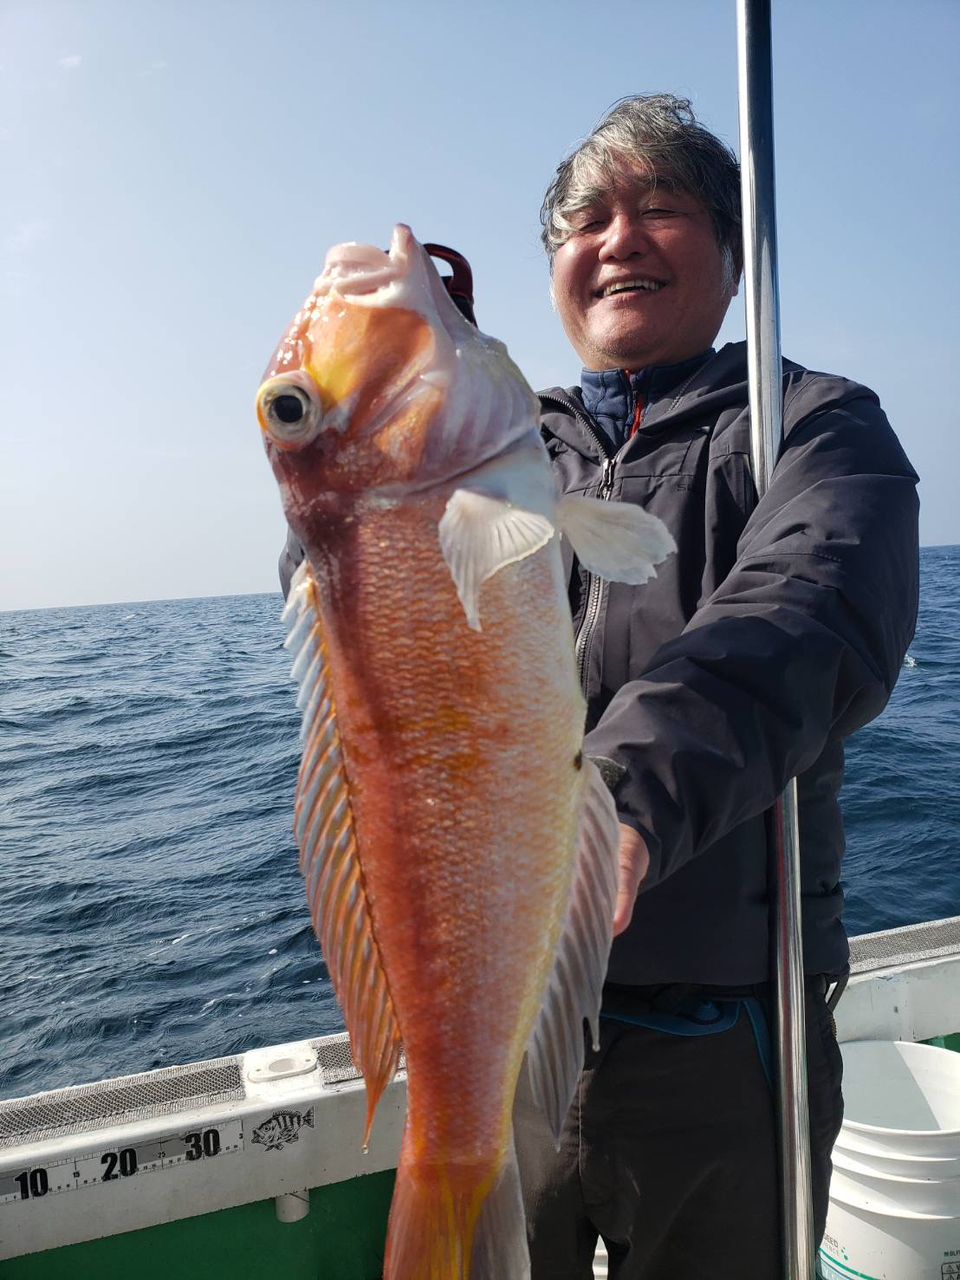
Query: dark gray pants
pixel 669 1154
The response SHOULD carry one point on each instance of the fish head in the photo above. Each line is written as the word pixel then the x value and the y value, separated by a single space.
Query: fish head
pixel 381 387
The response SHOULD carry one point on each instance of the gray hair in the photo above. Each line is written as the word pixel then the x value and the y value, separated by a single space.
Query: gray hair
pixel 659 133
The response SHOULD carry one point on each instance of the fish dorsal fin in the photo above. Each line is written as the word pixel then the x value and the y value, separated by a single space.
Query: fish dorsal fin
pixel 324 831
pixel 555 1054
pixel 618 541
pixel 499 515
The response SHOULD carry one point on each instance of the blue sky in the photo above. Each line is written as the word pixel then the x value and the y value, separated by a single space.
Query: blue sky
pixel 175 172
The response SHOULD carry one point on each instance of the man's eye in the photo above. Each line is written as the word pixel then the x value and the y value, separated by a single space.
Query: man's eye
pixel 659 213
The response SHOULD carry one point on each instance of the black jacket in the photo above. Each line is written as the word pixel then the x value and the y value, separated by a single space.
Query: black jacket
pixel 776 630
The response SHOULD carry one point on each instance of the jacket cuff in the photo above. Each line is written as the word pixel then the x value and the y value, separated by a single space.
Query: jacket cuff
pixel 613 773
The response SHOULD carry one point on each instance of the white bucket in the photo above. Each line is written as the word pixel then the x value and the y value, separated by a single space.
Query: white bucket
pixel 901 1098
pixel 895 1194
pixel 893 1164
pixel 858 1184
pixel 862 1244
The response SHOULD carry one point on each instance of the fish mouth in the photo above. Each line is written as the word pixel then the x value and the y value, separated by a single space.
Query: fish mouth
pixel 403 276
pixel 352 269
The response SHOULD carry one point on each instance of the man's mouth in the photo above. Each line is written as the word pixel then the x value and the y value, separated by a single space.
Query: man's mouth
pixel 639 284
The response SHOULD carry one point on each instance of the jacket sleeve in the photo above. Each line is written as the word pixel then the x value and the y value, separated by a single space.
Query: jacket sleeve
pixel 803 642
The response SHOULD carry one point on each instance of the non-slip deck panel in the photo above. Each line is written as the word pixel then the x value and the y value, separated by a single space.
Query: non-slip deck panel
pixel 909 945
pixel 336 1062
pixel 97 1106
pixel 334 1059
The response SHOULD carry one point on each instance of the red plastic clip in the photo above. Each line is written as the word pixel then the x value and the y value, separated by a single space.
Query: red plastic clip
pixel 460 284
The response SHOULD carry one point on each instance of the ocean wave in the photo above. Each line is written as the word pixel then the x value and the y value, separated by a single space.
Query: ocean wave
pixel 154 908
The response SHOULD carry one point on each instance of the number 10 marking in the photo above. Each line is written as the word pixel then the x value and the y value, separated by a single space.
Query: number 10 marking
pixel 33 1182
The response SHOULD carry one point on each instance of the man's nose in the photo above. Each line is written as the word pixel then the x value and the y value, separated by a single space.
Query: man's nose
pixel 626 235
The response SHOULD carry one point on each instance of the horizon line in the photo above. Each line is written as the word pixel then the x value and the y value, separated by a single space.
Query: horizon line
pixel 233 595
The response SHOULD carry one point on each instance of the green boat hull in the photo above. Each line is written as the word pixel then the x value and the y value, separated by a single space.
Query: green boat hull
pixel 341 1238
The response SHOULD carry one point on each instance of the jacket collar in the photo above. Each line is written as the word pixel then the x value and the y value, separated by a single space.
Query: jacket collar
pixel 612 395
pixel 706 384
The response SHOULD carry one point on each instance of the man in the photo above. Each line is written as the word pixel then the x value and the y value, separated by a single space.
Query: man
pixel 776 630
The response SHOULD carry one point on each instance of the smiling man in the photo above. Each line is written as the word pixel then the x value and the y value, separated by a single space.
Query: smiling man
pixel 641 279
pixel 777 629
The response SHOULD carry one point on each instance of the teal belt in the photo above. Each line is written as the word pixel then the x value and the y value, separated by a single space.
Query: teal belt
pixel 698 1017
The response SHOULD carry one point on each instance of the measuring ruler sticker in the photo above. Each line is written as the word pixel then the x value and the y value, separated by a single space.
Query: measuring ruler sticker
pixel 36 1182
pixel 205 1142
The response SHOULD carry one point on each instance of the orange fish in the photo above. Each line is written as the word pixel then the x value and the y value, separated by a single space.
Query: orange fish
pixel 459 850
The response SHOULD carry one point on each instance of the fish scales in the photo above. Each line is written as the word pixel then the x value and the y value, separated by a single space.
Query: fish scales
pixel 459 851
pixel 420 724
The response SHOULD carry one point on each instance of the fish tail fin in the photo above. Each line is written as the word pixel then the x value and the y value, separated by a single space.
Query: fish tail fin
pixel 444 1228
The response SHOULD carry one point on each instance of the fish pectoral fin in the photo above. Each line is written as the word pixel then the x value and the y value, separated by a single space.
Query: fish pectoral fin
pixel 618 541
pixel 555 1053
pixel 329 860
pixel 481 533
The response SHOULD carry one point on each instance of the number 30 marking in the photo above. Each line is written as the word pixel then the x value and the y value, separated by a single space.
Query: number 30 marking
pixel 200 1144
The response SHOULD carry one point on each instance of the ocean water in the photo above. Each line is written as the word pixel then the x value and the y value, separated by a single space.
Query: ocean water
pixel 152 907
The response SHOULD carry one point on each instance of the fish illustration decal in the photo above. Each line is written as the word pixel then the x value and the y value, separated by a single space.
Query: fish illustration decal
pixel 459 849
pixel 282 1128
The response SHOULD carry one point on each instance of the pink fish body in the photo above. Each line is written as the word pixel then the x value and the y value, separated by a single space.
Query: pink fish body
pixel 459 851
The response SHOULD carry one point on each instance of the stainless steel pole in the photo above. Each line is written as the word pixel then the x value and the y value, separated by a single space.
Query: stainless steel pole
pixel 754 49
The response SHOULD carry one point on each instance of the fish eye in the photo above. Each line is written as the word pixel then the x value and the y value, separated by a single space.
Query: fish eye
pixel 289 410
pixel 290 407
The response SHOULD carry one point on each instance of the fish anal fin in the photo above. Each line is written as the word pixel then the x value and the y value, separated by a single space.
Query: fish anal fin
pixel 500 1245
pixel 618 541
pixel 329 857
pixel 456 1222
pixel 555 1053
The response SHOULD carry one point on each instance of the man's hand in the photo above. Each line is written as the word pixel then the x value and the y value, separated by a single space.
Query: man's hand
pixel 634 864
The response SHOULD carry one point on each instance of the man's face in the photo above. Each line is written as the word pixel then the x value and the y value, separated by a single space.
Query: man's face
pixel 641 281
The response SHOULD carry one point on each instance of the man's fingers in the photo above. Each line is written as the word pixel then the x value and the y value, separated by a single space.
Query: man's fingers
pixel 634 863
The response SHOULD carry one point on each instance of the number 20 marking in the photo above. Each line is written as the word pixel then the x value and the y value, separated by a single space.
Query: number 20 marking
pixel 119 1164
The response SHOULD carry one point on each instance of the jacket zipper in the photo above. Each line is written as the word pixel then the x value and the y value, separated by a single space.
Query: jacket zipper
pixel 583 640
